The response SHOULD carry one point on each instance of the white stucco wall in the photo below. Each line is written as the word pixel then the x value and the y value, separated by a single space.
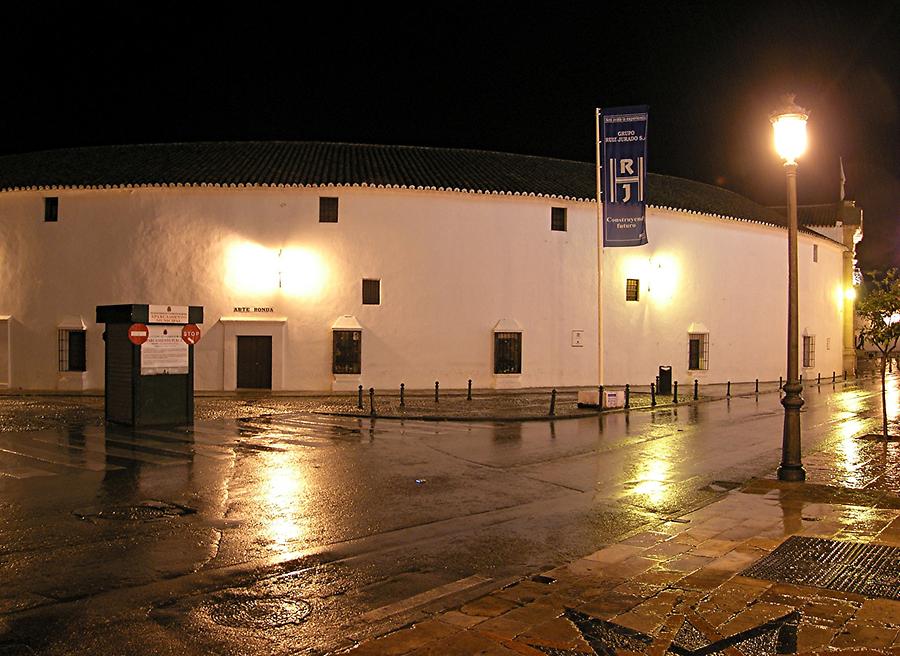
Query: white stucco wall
pixel 728 276
pixel 451 264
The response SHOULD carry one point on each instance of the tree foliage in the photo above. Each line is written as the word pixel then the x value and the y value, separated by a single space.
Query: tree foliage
pixel 879 310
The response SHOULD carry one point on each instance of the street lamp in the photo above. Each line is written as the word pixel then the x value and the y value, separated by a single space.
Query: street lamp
pixel 789 124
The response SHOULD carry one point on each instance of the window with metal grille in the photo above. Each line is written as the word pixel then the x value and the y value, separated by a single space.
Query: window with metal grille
pixel 72 355
pixel 51 209
pixel 507 353
pixel 698 351
pixel 371 292
pixel 632 289
pixel 558 218
pixel 328 209
pixel 346 352
pixel 809 351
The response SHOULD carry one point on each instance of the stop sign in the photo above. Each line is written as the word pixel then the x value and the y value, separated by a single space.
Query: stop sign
pixel 138 333
pixel 191 333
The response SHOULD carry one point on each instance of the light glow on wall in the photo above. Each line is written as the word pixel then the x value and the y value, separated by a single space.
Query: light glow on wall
pixel 850 294
pixel 254 269
pixel 663 278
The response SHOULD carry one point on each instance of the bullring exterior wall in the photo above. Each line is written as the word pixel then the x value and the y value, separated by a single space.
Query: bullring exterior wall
pixel 453 268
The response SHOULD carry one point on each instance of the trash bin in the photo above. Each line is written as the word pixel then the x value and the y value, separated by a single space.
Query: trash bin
pixel 665 380
pixel 149 370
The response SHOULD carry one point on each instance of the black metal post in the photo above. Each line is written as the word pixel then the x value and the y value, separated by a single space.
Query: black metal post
pixel 833 374
pixel 728 390
pixel 652 395
pixel 627 396
pixel 437 387
pixel 372 401
pixel 552 402
pixel 469 394
pixel 402 400
pixel 359 399
pixel 696 389
pixel 675 392
pixel 600 400
pixel 845 374
pixel 819 378
pixel 756 388
pixel 780 383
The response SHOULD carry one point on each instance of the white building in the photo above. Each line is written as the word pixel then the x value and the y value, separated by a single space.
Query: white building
pixel 327 266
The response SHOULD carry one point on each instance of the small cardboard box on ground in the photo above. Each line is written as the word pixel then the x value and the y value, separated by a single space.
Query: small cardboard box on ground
pixel 591 399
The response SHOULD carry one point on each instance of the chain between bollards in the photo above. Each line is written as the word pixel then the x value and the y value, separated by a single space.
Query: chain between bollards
pixel 696 389
pixel 652 395
pixel 359 404
pixel 627 396
pixel 675 392
pixel 402 389
pixel 372 401
pixel 552 402
pixel 437 387
pixel 469 393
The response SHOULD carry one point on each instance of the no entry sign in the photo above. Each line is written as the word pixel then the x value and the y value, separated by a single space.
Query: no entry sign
pixel 190 334
pixel 138 333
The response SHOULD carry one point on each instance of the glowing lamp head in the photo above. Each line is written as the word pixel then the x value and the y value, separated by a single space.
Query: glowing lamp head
pixel 850 294
pixel 789 124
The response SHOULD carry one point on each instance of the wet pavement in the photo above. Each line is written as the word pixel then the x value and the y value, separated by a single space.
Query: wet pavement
pixel 265 529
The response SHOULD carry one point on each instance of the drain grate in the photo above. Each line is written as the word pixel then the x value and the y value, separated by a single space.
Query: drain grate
pixel 247 612
pixel 872 570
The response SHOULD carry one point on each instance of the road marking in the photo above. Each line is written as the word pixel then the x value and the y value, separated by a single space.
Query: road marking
pixel 425 597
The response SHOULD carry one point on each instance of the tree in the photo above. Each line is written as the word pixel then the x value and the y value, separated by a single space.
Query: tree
pixel 879 310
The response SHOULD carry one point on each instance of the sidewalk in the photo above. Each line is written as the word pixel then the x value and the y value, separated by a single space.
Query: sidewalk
pixel 770 568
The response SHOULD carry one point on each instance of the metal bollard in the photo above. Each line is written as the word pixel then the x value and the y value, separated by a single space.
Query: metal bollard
pixel 696 389
pixel 372 401
pixel 819 378
pixel 801 379
pixel 627 396
pixel 600 389
pixel 402 388
pixel 728 389
pixel 756 388
pixel 845 374
pixel 359 404
pixel 437 387
pixel 469 394
pixel 833 374
pixel 780 383
pixel 675 392
pixel 652 395
pixel 552 402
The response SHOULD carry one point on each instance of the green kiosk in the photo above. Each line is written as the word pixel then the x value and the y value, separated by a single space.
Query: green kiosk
pixel 149 371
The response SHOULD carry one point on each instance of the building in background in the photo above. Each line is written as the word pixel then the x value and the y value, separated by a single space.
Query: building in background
pixel 328 266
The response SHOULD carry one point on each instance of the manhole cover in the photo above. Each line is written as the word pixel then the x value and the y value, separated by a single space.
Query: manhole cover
pixel 258 612
pixel 146 511
pixel 872 570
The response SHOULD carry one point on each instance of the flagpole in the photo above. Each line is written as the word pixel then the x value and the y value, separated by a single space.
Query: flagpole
pixel 599 256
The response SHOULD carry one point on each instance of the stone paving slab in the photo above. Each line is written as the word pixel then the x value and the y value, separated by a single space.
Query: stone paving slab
pixel 682 588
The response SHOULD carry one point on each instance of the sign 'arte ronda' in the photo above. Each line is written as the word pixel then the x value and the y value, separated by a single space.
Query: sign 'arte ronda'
pixel 327 266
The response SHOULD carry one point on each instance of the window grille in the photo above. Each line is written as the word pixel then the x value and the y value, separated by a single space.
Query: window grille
pixel 72 350
pixel 328 209
pixel 809 351
pixel 346 352
pixel 698 351
pixel 507 353
pixel 632 289
pixel 51 209
pixel 371 292
pixel 558 219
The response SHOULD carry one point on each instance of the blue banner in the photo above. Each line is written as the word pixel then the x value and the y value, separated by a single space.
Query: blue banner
pixel 623 174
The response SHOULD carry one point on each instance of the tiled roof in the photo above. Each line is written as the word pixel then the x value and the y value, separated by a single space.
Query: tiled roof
pixel 321 164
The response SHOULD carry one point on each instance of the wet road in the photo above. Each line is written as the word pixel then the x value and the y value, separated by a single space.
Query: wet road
pixel 298 533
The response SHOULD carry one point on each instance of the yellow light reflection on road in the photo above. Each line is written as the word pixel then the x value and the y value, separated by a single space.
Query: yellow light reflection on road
pixel 652 480
pixel 284 489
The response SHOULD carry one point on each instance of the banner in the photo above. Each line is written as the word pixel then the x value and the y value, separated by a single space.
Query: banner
pixel 623 174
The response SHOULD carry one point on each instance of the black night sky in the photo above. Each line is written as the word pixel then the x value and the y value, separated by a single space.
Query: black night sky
pixel 494 76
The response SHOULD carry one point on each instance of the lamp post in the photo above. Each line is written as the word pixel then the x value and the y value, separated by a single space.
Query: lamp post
pixel 789 124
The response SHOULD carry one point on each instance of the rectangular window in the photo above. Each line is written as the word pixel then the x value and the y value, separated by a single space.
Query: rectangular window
pixel 632 289
pixel 51 209
pixel 347 352
pixel 328 209
pixel 815 252
pixel 698 351
pixel 371 292
pixel 809 351
pixel 558 218
pixel 507 353
pixel 72 350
